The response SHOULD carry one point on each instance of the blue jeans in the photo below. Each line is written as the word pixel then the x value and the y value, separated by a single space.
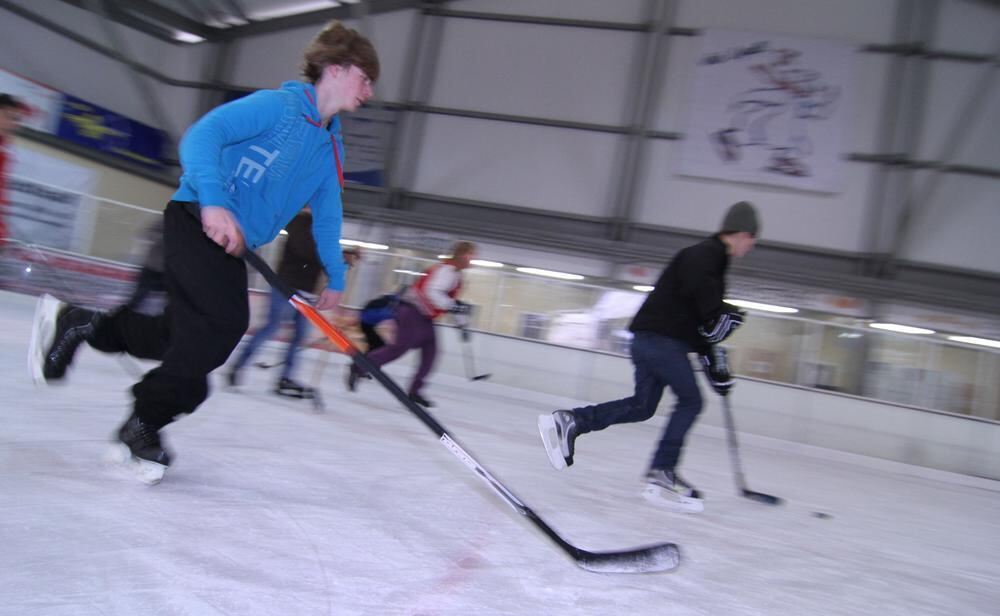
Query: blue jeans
pixel 660 362
pixel 279 312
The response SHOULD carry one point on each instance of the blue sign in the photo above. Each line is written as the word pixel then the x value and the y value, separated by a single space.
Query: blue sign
pixel 98 128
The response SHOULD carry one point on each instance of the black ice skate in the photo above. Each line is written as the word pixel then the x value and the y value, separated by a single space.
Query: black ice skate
pixel 666 489
pixel 422 401
pixel 558 431
pixel 288 387
pixel 140 449
pixel 57 332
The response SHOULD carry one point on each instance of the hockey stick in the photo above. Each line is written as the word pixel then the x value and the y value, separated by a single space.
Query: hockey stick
pixel 734 456
pixel 648 559
pixel 470 369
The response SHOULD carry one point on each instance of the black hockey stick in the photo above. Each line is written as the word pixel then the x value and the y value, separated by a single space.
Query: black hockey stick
pixel 734 455
pixel 648 559
pixel 470 366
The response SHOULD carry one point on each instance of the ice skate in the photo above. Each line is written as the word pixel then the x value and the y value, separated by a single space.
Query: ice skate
pixel 140 451
pixel 422 401
pixel 352 378
pixel 288 387
pixel 57 332
pixel 665 488
pixel 558 431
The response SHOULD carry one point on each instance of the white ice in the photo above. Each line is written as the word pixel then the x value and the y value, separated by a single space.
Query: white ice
pixel 271 508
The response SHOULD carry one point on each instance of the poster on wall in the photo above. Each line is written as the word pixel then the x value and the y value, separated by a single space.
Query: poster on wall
pixel 768 109
pixel 43 102
pixel 48 203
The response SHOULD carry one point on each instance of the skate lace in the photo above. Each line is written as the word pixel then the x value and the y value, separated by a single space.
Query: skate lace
pixel 71 339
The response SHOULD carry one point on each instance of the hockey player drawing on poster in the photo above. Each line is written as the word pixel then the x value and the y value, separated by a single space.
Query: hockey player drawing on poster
pixel 249 167
pixel 684 313
pixel 791 94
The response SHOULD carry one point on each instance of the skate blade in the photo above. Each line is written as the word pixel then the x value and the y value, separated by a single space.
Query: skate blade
pixel 550 439
pixel 668 499
pixel 120 457
pixel 43 331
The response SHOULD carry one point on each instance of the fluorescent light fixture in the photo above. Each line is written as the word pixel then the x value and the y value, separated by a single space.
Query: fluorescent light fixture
pixel 901 329
pixel 285 9
pixel 645 288
pixel 482 263
pixel 282 232
pixel 742 303
pixel 444 256
pixel 410 272
pixel 986 342
pixel 368 245
pixel 187 37
pixel 27 270
pixel 549 273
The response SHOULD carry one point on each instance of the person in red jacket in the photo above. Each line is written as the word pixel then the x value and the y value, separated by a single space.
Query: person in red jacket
pixel 432 295
pixel 12 110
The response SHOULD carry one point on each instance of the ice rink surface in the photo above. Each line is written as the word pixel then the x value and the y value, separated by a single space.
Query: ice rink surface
pixel 271 508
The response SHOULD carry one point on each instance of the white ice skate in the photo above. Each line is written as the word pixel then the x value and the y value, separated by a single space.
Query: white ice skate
pixel 558 432
pixel 120 457
pixel 43 332
pixel 666 489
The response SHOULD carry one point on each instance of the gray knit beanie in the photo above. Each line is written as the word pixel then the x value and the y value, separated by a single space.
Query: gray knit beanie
pixel 741 216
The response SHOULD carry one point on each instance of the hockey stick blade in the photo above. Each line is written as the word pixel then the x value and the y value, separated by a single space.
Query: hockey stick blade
pixel 760 497
pixel 648 559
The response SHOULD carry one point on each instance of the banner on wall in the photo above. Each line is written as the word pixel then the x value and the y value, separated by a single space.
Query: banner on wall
pixel 101 129
pixel 48 203
pixel 366 138
pixel 44 103
pixel 768 109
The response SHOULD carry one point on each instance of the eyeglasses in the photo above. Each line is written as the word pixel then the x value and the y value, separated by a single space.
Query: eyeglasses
pixel 365 79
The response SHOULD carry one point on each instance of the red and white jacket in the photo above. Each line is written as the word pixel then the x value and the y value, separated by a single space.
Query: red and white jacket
pixel 434 293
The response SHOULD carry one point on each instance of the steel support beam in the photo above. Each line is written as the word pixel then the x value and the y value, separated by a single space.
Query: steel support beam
pixel 920 199
pixel 647 81
pixel 145 90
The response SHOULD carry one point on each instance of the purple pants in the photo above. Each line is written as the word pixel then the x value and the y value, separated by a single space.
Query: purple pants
pixel 414 330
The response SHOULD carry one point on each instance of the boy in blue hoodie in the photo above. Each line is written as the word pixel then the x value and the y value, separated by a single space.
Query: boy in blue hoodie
pixel 249 167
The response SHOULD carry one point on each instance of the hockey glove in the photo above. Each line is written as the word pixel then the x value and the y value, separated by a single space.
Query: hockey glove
pixel 719 329
pixel 716 365
pixel 460 314
pixel 460 308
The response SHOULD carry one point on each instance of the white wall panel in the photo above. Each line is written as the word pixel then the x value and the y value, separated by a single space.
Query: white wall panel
pixel 951 85
pixel 625 11
pixel 834 222
pixel 266 60
pixel 547 71
pixel 959 228
pixel 970 27
pixel 546 168
pixel 863 21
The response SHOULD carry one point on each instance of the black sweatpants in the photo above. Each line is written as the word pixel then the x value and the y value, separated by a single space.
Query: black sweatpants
pixel 206 315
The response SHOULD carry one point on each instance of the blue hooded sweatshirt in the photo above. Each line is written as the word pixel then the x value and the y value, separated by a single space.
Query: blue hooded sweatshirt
pixel 264 157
